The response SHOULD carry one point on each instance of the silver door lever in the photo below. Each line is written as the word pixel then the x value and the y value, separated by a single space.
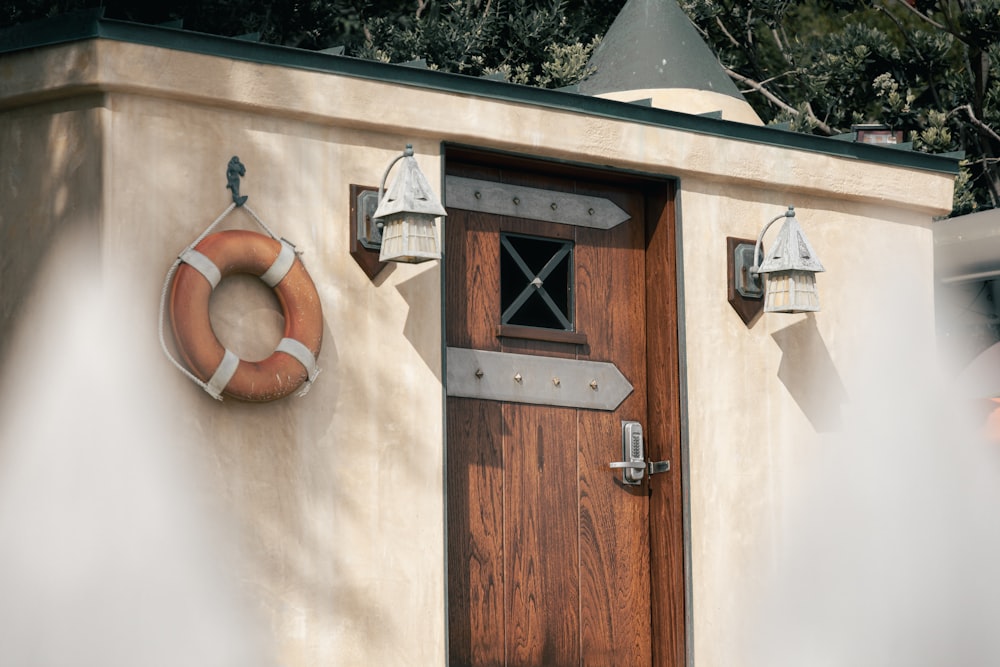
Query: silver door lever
pixel 633 465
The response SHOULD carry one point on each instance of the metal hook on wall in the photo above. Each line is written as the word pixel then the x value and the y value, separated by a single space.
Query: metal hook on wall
pixel 234 170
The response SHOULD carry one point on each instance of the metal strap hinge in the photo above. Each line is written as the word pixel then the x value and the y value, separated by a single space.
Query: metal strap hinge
pixel 658 467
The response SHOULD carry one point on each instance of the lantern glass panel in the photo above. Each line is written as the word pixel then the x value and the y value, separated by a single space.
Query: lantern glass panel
pixel 791 292
pixel 409 237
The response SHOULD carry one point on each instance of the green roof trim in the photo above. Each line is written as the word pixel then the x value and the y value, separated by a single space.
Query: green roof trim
pixel 90 25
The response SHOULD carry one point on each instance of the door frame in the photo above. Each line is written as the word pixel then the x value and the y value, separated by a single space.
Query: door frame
pixel 670 572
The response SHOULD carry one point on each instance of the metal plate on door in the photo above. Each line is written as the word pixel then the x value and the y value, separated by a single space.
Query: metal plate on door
pixel 529 378
pixel 520 201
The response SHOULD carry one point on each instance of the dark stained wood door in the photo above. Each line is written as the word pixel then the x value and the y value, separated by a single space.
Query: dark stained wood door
pixel 552 559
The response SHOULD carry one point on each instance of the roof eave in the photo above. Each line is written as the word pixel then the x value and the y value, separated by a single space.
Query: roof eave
pixel 91 25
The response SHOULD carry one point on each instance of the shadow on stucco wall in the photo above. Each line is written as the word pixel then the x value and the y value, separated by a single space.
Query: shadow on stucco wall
pixel 886 553
pixel 50 184
pixel 422 331
pixel 314 509
pixel 809 374
pixel 313 484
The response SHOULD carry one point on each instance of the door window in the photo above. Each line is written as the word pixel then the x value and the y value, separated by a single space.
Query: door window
pixel 536 282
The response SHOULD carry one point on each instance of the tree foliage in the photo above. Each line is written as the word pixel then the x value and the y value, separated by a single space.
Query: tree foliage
pixel 525 41
pixel 930 68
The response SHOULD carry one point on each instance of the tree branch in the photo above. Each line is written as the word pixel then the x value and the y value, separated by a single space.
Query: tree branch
pixel 980 125
pixel 725 32
pixel 777 40
pixel 988 173
pixel 775 78
pixel 922 15
pixel 782 46
pixel 778 102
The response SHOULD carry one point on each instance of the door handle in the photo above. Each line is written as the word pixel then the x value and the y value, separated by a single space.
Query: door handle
pixel 633 463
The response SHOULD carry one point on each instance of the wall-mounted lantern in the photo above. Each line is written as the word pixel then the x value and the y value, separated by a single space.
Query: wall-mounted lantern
pixel 406 213
pixel 789 272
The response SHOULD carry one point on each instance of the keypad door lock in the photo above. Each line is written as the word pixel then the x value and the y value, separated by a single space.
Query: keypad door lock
pixel 633 464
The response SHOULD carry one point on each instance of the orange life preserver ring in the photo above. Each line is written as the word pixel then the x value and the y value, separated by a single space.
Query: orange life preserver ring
pixel 293 362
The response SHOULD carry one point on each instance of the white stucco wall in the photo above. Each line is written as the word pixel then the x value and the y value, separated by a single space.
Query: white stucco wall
pixel 776 413
pixel 339 493
pixel 690 100
pixel 335 500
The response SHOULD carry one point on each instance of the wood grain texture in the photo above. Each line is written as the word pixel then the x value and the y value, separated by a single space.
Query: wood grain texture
pixel 475 452
pixel 475 519
pixel 535 333
pixel 550 555
pixel 541 500
pixel 666 493
pixel 473 255
pixel 614 546
pixel 541 535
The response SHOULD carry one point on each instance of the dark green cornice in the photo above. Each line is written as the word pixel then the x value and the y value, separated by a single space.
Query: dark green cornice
pixel 90 25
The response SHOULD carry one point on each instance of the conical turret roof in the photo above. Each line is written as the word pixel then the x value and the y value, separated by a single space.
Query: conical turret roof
pixel 651 47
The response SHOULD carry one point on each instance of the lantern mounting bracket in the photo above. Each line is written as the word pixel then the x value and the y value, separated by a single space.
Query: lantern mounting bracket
pixel 790 213
pixel 746 293
pixel 364 237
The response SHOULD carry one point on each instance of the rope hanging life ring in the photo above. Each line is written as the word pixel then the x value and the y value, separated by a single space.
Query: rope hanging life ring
pixel 293 361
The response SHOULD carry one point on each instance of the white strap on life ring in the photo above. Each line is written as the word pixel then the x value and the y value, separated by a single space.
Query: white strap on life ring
pixel 203 265
pixel 303 355
pixel 279 268
pixel 275 273
pixel 223 374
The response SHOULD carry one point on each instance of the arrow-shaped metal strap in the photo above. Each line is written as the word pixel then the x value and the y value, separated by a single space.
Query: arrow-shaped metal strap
pixel 529 378
pixel 567 208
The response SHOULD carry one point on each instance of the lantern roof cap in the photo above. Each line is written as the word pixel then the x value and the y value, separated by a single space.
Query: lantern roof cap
pixel 409 192
pixel 791 250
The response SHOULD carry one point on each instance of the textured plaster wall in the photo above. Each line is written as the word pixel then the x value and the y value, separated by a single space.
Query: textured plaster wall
pixel 332 503
pixel 338 493
pixel 690 100
pixel 769 406
pixel 50 183
pixel 335 500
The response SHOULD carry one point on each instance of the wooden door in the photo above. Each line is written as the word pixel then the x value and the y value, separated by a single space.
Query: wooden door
pixel 553 559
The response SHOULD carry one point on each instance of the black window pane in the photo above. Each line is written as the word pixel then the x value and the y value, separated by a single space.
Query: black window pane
pixel 536 313
pixel 536 282
pixel 534 251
